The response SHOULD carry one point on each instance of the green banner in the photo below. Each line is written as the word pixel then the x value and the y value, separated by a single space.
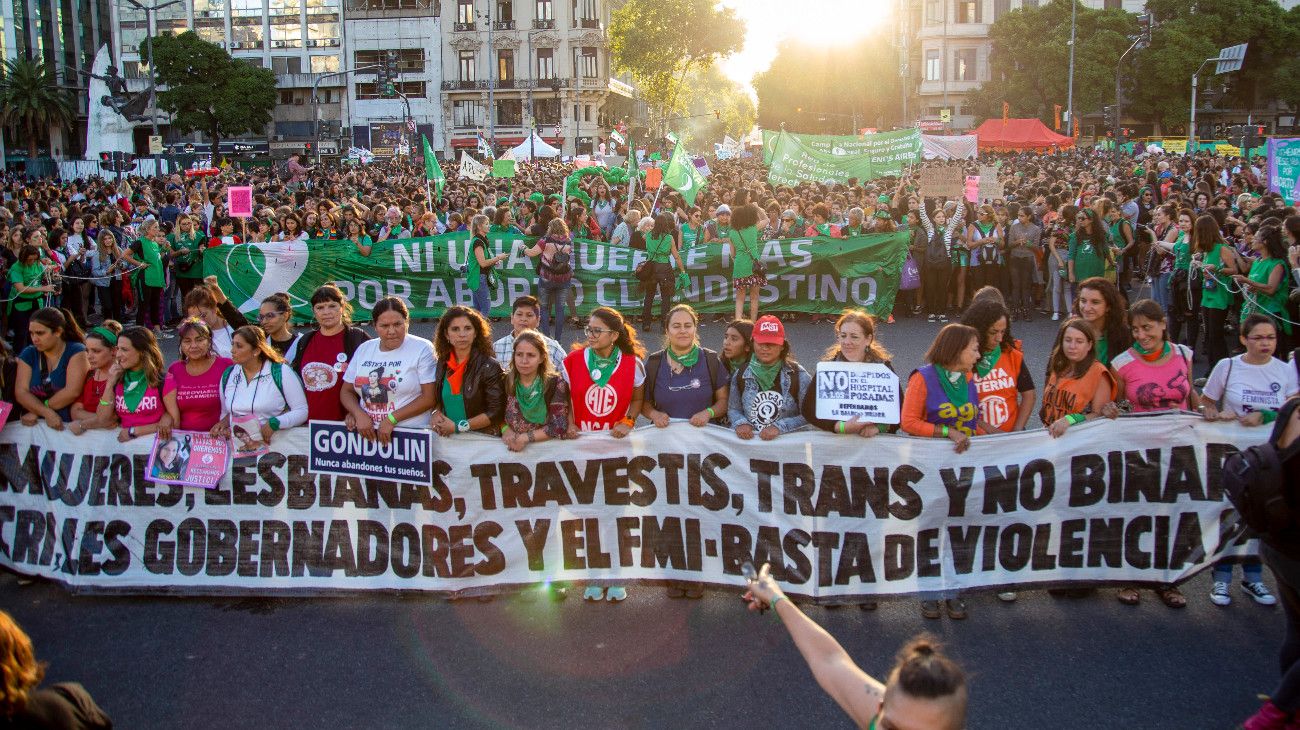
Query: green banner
pixel 902 146
pixel 793 162
pixel 1284 167
pixel 812 275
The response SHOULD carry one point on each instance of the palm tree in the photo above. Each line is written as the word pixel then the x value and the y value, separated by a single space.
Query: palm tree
pixel 31 101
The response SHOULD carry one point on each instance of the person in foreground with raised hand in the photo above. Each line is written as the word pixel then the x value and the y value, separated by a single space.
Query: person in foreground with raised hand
pixel 924 691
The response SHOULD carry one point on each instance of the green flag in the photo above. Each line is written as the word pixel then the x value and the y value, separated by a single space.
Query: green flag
pixel 682 175
pixel 503 168
pixel 432 170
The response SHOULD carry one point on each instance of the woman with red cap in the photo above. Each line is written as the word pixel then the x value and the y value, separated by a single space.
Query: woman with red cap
pixel 767 393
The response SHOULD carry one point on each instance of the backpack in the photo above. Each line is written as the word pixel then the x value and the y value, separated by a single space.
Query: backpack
pixel 1255 481
pixel 277 377
pixel 711 359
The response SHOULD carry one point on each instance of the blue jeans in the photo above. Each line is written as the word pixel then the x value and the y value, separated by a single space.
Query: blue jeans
pixel 1160 290
pixel 553 295
pixel 1252 570
pixel 483 297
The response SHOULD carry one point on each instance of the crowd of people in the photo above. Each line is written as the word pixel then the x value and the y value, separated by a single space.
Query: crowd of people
pixel 1149 265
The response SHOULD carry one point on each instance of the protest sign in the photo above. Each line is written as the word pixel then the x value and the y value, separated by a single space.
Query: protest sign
pixel 239 201
pixel 898 148
pixel 1138 500
pixel 866 391
pixel 1284 166
pixel 791 161
pixel 972 189
pixel 824 278
pixel 189 458
pixel 408 456
pixel 990 188
pixel 246 436
pixel 471 168
pixel 942 182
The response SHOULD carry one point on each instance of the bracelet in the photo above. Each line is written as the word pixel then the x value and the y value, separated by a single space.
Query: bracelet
pixel 532 436
pixel 945 431
pixel 775 600
pixel 628 422
pixel 1074 418
pixel 504 427
pixel 709 410
pixel 274 423
pixel 392 419
pixel 839 427
pixel 105 403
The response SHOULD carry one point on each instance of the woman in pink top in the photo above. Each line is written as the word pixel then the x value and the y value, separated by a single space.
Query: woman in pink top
pixel 1154 375
pixel 136 381
pixel 192 390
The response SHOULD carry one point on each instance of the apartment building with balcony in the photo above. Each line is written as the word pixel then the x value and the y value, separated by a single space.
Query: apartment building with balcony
pixel 511 66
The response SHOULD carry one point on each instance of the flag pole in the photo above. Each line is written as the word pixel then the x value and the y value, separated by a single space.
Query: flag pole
pixel 428 194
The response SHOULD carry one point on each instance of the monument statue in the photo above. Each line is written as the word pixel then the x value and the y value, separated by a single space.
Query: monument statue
pixel 113 111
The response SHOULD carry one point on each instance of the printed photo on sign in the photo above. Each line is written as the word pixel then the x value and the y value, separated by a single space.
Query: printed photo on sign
pixel 191 458
pixel 246 436
pixel 867 391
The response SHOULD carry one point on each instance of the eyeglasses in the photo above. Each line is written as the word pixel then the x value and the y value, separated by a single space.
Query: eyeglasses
pixel 596 331
pixel 263 316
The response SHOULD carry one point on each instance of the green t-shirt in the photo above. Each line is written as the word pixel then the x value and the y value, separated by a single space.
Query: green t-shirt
pixel 1214 295
pixel 153 269
pixel 659 249
pixel 691 236
pixel 1182 253
pixel 195 243
pixel 1088 262
pixel 453 405
pixel 28 275
pixel 745 242
pixel 1274 303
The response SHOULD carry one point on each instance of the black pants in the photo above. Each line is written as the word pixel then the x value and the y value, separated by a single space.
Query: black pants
pixel 1216 347
pixel 1287 572
pixel 110 301
pixel 1022 283
pixel 148 311
pixel 19 320
pixel 74 300
pixel 1185 314
pixel 664 282
pixel 934 281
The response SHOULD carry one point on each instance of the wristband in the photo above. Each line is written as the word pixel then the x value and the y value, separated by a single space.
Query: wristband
pixel 392 419
pixel 839 427
pixel 1074 418
pixel 775 600
pixel 105 403
pixel 945 431
pixel 274 423
pixel 709 410
pixel 503 429
pixel 628 422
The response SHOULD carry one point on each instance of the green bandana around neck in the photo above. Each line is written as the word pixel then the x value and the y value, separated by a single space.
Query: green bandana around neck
pixel 531 403
pixel 688 360
pixel 957 393
pixel 1103 351
pixel 737 363
pixel 987 361
pixel 602 368
pixel 765 374
pixel 134 385
pixel 1164 349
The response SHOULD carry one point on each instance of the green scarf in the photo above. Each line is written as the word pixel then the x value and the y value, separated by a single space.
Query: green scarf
pixel 987 361
pixel 737 364
pixel 531 403
pixel 765 374
pixel 1103 351
pixel 957 393
pixel 688 360
pixel 823 229
pixel 134 385
pixel 1164 350
pixel 602 368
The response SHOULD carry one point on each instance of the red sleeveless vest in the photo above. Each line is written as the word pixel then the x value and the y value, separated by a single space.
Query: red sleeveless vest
pixel 598 409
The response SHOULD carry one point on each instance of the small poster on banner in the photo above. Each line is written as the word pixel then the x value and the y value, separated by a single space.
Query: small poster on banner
pixel 973 188
pixel 191 458
pixel 407 457
pixel 239 201
pixel 246 436
pixel 868 391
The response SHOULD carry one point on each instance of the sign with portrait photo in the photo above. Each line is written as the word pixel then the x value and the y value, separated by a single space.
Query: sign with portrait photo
pixel 191 458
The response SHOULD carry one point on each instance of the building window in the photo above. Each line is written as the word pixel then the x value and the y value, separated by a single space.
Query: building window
pixel 505 65
pixel 465 11
pixel 466 65
pixel 372 90
pixel 585 14
pixel 323 34
pixel 409 60
pixel 286 96
pixel 934 12
pixel 547 111
pixel 584 63
pixel 286 64
pixel 968 11
pixel 505 11
pixel 545 11
pixel 933 66
pixel 466 114
pixel 1000 8
pixel 510 113
pixel 963 64
pixel 546 63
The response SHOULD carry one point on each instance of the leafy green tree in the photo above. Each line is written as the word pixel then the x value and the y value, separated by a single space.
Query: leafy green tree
pixel 817 88
pixel 1031 55
pixel 660 42
pixel 209 91
pixel 31 101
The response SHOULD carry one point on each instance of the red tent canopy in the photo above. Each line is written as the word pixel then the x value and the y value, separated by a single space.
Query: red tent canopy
pixel 1019 134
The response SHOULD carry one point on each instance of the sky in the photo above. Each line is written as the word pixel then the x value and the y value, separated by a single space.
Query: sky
pixel 768 22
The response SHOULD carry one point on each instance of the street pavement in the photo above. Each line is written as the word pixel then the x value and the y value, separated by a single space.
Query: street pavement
pixel 411 661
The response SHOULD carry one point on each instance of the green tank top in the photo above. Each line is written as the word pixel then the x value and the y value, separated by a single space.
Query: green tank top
pixel 745 242
pixel 659 249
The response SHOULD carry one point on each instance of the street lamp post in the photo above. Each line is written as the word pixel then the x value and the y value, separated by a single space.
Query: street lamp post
pixel 1069 94
pixel 149 11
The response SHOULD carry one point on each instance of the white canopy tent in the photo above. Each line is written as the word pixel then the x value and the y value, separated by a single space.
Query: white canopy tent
pixel 534 147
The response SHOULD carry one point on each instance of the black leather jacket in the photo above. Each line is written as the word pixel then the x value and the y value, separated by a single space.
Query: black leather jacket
pixel 483 387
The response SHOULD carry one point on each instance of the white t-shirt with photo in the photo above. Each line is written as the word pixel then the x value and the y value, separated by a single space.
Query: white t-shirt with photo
pixel 1248 388
pixel 387 381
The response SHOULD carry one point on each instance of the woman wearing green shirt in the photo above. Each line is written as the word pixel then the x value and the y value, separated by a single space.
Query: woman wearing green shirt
pixel 693 228
pixel 1090 253
pixel 1266 288
pixel 746 249
pixel 661 250
pixel 148 253
pixel 188 245
pixel 1219 261
pixel 27 277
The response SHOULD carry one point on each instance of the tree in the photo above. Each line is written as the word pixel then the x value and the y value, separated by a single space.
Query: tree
pixel 208 91
pixel 1030 59
pixel 818 88
pixel 32 102
pixel 660 42
pixel 709 91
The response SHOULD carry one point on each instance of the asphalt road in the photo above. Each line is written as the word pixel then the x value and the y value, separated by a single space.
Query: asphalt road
pixel 412 661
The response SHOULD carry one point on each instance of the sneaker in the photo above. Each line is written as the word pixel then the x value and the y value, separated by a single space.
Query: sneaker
pixel 1056 316
pixel 890 320
pixel 1269 717
pixel 593 593
pixel 615 594
pixel 1219 593
pixel 932 318
pixel 956 608
pixel 930 609
pixel 1259 592
pixel 1007 596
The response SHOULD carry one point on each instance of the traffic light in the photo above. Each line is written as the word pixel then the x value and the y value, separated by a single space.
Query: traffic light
pixel 1252 136
pixel 389 74
pixel 1110 116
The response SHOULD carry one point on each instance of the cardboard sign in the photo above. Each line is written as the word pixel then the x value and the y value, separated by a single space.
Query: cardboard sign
pixel 990 188
pixel 191 458
pixel 239 201
pixel 942 182
pixel 868 391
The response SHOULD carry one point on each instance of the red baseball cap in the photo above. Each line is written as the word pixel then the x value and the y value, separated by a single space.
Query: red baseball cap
pixel 768 330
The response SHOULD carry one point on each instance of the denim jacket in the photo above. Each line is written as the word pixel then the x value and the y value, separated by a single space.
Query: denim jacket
pixel 779 407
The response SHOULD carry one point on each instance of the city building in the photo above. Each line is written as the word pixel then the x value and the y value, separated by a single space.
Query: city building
pixel 511 66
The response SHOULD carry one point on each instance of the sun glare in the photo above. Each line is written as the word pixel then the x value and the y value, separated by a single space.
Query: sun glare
pixel 834 22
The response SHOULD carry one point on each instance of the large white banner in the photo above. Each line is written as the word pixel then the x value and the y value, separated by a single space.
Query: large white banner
pixel 950 147
pixel 1133 500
